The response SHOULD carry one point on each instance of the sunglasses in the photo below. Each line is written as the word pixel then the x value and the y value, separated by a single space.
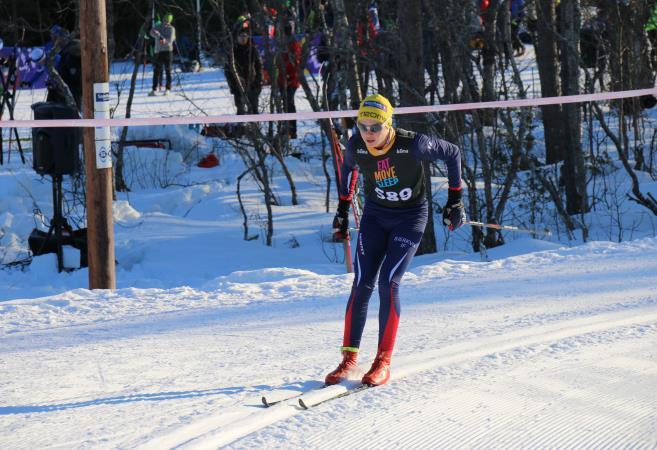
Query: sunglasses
pixel 371 128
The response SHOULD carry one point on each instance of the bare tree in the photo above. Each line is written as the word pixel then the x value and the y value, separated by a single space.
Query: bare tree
pixel 411 92
pixel 138 53
pixel 546 48
pixel 574 171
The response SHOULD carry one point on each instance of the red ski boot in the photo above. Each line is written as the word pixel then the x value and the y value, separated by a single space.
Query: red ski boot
pixel 379 373
pixel 345 368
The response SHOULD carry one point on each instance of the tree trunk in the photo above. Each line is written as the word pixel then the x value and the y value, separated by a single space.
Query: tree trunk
pixel 344 34
pixel 489 54
pixel 574 171
pixel 119 180
pixel 548 69
pixel 412 76
pixel 629 62
pixel 111 43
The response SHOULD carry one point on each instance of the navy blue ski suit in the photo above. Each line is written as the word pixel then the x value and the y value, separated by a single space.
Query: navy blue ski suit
pixel 394 217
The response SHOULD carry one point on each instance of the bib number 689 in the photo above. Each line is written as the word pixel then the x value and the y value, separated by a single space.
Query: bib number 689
pixel 393 196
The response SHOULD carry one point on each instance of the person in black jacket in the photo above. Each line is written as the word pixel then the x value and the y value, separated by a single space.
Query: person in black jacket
pixel 247 72
pixel 69 66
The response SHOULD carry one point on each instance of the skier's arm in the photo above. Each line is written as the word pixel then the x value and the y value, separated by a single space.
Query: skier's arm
pixel 431 148
pixel 347 176
pixel 348 173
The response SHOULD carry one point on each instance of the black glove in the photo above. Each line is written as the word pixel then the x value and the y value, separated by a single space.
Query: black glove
pixel 341 221
pixel 454 211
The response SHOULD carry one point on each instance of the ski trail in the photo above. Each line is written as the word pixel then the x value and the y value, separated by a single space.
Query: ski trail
pixel 556 399
pixel 521 338
pixel 234 423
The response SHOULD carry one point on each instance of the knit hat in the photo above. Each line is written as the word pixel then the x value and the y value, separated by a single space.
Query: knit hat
pixel 375 107
pixel 242 24
pixel 168 18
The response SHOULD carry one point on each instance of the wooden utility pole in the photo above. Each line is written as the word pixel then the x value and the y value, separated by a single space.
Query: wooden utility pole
pixel 97 150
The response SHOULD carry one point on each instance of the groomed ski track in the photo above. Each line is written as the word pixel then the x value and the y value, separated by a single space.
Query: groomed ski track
pixel 551 349
pixel 526 401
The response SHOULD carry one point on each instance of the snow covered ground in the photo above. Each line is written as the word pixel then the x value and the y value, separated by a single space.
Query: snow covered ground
pixel 554 348
pixel 541 343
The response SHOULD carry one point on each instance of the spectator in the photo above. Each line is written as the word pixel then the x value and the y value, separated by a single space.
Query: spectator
pixel 165 36
pixel 289 65
pixel 245 79
pixel 517 15
pixel 69 66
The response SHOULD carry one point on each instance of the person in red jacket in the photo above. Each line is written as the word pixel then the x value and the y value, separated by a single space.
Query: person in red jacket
pixel 288 76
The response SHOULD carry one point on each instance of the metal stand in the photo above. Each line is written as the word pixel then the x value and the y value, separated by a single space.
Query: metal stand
pixel 8 99
pixel 58 223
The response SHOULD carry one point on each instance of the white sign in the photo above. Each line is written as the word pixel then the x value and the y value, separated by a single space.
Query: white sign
pixel 101 97
pixel 103 154
pixel 102 134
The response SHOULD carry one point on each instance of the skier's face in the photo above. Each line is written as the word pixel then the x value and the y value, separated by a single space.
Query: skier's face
pixel 242 38
pixel 373 132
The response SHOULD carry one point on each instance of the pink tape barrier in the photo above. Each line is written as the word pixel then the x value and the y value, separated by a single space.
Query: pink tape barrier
pixel 311 115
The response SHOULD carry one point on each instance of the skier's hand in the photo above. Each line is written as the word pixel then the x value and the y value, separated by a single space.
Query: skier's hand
pixel 454 211
pixel 341 221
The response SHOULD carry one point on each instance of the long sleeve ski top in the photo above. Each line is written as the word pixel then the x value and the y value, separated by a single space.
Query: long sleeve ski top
pixel 395 176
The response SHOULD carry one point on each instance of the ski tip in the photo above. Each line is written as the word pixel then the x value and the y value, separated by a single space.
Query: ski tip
pixel 302 404
pixel 265 402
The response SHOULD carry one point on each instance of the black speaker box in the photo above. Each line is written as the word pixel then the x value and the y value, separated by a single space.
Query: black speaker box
pixel 55 151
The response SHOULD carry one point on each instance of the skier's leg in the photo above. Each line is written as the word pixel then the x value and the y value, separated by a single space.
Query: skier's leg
pixel 370 250
pixel 402 244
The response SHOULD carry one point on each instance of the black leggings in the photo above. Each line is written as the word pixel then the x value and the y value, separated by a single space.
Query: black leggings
pixel 162 60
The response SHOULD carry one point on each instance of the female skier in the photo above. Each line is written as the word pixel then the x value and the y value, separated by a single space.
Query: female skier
pixel 394 218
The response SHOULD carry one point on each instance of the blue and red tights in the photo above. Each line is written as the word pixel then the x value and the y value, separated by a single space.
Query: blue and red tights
pixel 387 242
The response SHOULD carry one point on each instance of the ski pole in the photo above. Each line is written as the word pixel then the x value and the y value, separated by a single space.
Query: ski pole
pixel 495 226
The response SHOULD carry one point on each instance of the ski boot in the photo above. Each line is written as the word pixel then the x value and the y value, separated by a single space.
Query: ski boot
pixel 344 369
pixel 379 373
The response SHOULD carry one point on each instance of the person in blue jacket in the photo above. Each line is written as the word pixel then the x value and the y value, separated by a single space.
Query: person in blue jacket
pixel 394 217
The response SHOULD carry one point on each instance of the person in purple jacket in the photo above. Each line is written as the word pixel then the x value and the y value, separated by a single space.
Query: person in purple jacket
pixel 394 217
